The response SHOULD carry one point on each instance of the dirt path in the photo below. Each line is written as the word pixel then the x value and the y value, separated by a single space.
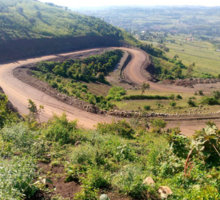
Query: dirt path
pixel 19 92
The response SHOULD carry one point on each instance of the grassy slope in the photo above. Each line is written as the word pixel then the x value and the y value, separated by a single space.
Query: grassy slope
pixel 202 53
pixel 29 19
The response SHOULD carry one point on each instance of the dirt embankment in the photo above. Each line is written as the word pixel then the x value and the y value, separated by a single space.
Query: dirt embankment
pixel 190 82
pixel 20 49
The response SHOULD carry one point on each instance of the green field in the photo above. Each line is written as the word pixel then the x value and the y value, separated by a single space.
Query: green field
pixel 204 54
pixel 181 107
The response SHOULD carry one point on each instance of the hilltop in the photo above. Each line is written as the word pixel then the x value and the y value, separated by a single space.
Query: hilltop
pixel 51 29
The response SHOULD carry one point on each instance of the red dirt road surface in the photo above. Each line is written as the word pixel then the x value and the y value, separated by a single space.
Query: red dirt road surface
pixel 19 92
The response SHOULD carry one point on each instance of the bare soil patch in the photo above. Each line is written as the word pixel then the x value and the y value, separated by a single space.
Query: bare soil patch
pixel 57 176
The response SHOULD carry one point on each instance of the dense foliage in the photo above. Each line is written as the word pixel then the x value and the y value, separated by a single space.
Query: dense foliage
pixel 93 68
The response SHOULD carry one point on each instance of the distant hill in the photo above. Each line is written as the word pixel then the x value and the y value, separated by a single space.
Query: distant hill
pixel 49 26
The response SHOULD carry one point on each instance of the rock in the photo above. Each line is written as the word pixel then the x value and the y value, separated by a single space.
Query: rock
pixel 165 191
pixel 104 197
pixel 149 181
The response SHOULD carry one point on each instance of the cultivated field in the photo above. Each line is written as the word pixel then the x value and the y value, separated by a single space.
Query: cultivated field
pixel 204 54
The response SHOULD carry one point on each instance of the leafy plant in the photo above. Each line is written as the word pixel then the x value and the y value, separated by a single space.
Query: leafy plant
pixel 147 107
pixel 60 130
pixel 173 104
pixel 121 128
pixel 158 124
pixel 191 103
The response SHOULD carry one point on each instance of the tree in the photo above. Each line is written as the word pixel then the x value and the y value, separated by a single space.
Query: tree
pixel 190 70
pixel 173 104
pixel 157 125
pixel 216 94
pixel 178 72
pixel 34 111
pixel 38 14
pixel 176 56
pixel 144 86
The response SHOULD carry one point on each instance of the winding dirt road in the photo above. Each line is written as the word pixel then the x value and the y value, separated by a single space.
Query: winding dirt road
pixel 19 92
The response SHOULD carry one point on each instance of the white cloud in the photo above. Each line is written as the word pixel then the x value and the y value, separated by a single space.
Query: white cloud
pixel 97 3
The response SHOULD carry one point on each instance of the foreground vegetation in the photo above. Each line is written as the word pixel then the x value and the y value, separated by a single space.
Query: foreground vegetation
pixel 114 158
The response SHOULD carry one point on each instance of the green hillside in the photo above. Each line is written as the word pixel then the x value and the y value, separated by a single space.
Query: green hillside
pixel 29 19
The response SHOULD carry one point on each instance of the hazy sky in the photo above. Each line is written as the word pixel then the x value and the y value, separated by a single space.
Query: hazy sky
pixel 97 3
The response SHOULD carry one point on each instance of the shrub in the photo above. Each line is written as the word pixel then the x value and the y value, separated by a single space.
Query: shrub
pixel 172 96
pixel 97 178
pixel 121 128
pixel 129 180
pixel 209 101
pixel 60 129
pixel 87 193
pixel 116 93
pixel 20 136
pixel 6 115
pixel 147 107
pixel 179 97
pixel 53 84
pixel 84 154
pixel 191 103
pixel 201 92
pixel 216 94
pixel 17 175
pixel 158 124
pixel 173 104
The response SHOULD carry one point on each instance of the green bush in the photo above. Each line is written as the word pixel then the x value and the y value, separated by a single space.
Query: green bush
pixel 191 103
pixel 22 139
pixel 200 92
pixel 209 101
pixel 158 124
pixel 121 128
pixel 116 93
pixel 53 84
pixel 173 104
pixel 216 94
pixel 172 96
pixel 85 154
pixel 147 107
pixel 179 97
pixel 129 180
pixel 16 178
pixel 60 130
pixel 97 178
pixel 6 115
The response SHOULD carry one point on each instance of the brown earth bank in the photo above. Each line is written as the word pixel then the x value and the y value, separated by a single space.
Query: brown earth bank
pixel 190 82
pixel 27 48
